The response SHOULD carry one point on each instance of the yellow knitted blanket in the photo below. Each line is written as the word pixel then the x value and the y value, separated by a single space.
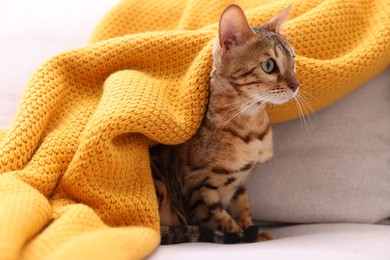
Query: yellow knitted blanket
pixel 75 181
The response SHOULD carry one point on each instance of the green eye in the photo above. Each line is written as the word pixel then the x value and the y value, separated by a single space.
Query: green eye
pixel 268 66
pixel 293 66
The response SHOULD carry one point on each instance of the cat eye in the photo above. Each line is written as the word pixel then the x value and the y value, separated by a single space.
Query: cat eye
pixel 268 66
pixel 293 60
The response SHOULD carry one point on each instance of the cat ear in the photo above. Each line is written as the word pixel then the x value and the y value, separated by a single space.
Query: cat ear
pixel 273 25
pixel 233 27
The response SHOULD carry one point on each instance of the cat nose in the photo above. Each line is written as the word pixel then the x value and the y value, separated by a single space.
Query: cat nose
pixel 293 85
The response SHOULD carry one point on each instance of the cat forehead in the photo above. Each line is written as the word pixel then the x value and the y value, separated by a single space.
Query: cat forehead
pixel 273 41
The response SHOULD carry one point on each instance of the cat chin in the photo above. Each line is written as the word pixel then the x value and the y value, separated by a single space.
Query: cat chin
pixel 280 101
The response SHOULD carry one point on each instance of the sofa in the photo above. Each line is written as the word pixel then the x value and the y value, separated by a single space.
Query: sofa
pixel 324 195
pixel 327 198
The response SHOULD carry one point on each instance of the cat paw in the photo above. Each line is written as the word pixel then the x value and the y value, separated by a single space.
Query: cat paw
pixel 250 234
pixel 263 236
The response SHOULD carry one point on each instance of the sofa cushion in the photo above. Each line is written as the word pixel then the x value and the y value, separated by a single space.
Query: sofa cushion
pixel 335 170
pixel 316 241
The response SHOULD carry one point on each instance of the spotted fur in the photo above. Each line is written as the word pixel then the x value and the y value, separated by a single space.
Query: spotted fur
pixel 200 184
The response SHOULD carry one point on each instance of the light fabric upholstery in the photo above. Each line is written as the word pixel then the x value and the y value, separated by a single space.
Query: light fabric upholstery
pixel 320 241
pixel 336 169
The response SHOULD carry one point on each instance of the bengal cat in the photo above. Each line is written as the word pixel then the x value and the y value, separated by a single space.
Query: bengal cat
pixel 200 184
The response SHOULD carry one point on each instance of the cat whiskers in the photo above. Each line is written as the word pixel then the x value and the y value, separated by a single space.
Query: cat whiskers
pixel 303 92
pixel 247 105
pixel 240 101
pixel 304 109
pixel 244 101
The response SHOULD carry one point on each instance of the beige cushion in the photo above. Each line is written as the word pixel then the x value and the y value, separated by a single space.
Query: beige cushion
pixel 316 241
pixel 338 170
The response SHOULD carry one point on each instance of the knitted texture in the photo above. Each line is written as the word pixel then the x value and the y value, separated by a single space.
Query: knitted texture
pixel 75 178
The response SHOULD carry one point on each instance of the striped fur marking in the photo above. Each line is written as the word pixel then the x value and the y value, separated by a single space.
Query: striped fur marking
pixel 215 206
pixel 244 74
pixel 229 181
pixel 264 133
pixel 184 234
pixel 249 137
pixel 226 171
pixel 241 190
pixel 195 188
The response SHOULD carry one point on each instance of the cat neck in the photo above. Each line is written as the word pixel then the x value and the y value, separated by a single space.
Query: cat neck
pixel 227 106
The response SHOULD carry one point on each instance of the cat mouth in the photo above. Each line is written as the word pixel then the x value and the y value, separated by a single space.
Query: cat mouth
pixel 282 97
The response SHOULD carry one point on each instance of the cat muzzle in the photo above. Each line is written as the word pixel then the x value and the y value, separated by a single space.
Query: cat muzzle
pixel 293 85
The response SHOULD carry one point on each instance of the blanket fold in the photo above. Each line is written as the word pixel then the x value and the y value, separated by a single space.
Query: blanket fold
pixel 75 179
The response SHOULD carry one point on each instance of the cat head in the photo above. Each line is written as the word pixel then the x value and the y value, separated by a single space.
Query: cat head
pixel 257 61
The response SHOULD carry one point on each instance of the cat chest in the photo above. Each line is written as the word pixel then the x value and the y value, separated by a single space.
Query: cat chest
pixel 248 144
pixel 253 152
pixel 239 162
pixel 229 186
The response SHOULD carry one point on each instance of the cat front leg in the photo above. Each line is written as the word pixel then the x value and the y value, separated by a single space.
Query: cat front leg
pixel 209 212
pixel 240 208
pixel 221 220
